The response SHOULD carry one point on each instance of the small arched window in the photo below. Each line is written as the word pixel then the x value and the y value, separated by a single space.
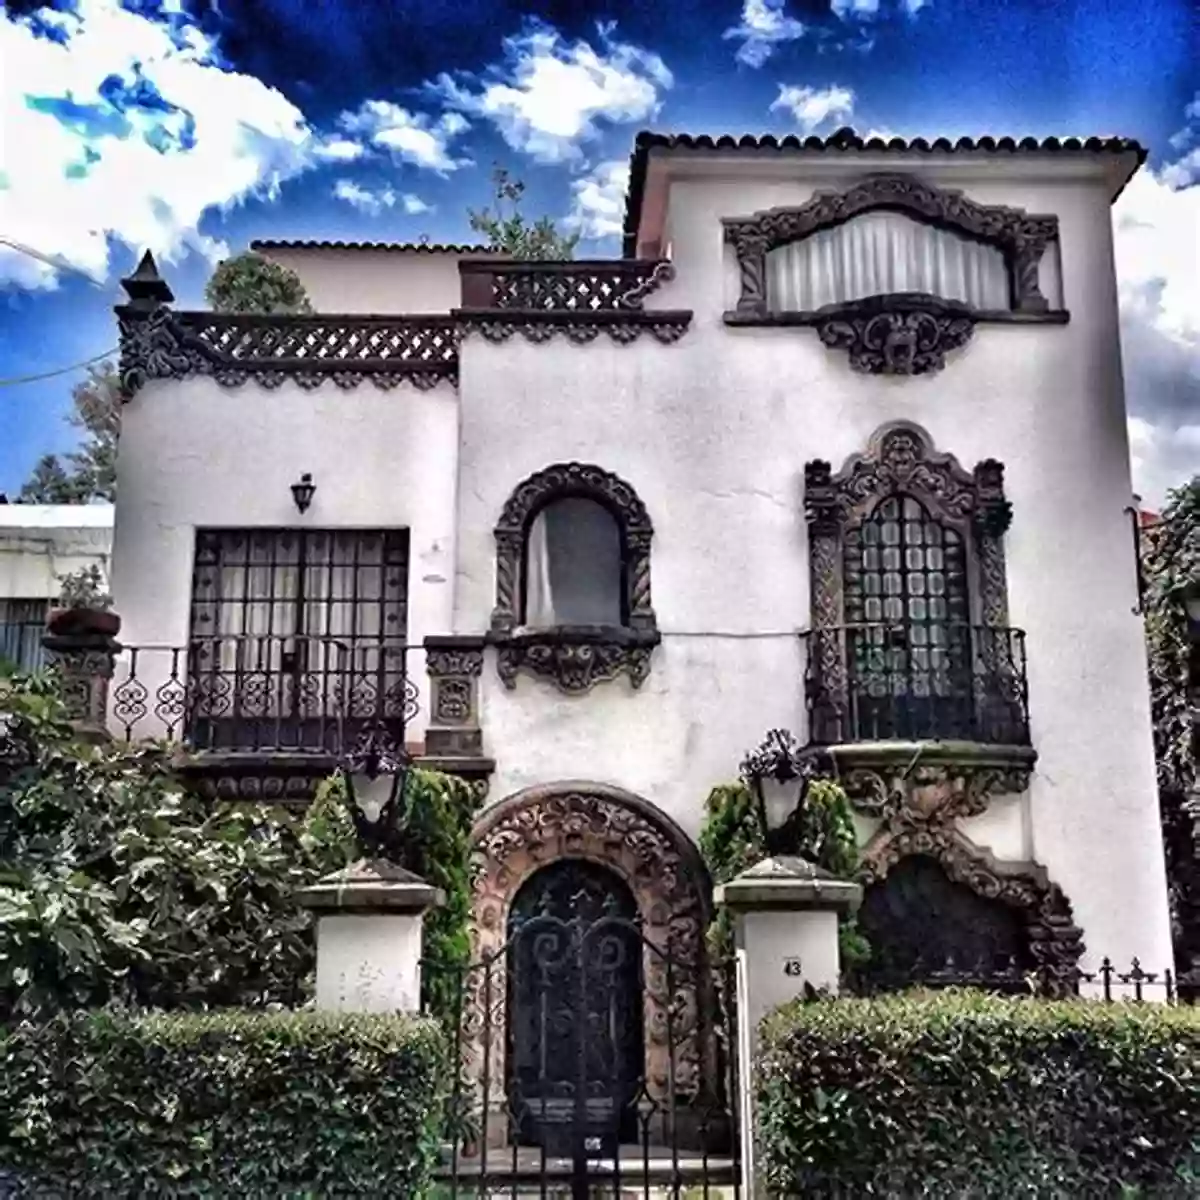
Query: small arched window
pixel 574 568
pixel 573 579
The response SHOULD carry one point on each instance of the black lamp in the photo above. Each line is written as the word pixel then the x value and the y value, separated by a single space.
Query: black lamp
pixel 778 772
pixel 375 772
pixel 303 492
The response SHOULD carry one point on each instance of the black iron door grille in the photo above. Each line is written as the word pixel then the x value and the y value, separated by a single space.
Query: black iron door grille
pixel 297 638
pixel 574 1110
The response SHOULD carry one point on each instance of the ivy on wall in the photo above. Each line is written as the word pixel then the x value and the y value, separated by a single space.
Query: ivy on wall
pixel 1171 567
pixel 732 840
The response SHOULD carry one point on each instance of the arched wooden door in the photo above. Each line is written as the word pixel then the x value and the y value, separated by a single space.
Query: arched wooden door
pixel 576 1051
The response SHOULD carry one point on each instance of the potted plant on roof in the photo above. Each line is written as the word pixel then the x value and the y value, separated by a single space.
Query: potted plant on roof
pixel 84 606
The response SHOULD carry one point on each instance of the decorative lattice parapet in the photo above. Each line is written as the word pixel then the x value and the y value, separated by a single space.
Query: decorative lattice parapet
pixel 159 343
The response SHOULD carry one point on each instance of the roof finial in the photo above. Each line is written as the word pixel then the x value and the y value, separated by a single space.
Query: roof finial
pixel 146 288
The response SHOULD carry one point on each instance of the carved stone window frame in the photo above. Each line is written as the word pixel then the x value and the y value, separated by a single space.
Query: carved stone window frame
pixel 905 333
pixel 901 457
pixel 574 658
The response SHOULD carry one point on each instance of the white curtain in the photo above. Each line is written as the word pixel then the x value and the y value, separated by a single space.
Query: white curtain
pixel 573 566
pixel 881 252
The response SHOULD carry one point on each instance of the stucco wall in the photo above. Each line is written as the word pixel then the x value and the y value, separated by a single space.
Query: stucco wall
pixel 713 433
pixel 195 455
pixel 376 281
pixel 40 542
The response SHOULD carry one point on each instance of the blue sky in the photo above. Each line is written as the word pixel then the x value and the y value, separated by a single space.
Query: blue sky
pixel 192 127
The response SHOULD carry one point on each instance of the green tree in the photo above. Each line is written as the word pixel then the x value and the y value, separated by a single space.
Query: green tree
pixel 1171 566
pixel 250 283
pixel 89 473
pixel 509 230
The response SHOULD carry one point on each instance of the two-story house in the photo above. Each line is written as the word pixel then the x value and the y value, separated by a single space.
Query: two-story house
pixel 838 446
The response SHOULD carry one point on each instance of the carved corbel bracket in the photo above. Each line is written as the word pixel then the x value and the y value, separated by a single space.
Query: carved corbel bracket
pixel 575 657
pixel 903 334
pixel 931 783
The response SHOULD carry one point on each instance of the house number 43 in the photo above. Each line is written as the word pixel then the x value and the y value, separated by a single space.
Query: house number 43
pixel 791 966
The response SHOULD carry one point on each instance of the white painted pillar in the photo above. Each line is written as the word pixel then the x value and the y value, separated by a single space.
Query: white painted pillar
pixel 369 937
pixel 785 914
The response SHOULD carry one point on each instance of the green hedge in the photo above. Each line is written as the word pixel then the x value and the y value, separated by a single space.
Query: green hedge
pixel 967 1095
pixel 221 1104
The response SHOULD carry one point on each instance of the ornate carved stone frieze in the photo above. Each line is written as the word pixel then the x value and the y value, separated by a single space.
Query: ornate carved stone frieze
pixel 454 664
pixel 622 327
pixel 669 883
pixel 903 334
pixel 234 348
pixel 1055 941
pixel 931 781
pixel 575 658
pixel 1023 237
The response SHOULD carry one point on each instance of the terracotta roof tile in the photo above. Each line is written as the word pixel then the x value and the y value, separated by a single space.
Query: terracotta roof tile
pixel 419 247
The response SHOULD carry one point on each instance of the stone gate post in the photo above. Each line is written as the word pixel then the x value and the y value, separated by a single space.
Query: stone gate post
pixel 785 914
pixel 369 936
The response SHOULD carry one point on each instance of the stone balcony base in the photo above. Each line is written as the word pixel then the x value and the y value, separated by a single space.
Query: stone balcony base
pixel 927 780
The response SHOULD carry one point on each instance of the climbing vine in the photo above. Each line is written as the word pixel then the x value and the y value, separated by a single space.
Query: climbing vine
pixel 1171 567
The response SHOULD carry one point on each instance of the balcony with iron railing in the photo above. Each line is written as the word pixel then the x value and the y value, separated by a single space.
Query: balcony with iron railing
pixel 268 715
pixel 901 694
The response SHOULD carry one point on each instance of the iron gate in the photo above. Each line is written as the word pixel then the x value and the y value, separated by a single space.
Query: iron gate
pixel 575 1080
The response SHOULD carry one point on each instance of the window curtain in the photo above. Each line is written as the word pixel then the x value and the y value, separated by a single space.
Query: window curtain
pixel 573 566
pixel 22 624
pixel 877 253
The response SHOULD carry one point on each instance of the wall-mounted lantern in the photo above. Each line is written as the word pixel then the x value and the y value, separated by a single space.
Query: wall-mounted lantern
pixel 375 773
pixel 303 492
pixel 779 773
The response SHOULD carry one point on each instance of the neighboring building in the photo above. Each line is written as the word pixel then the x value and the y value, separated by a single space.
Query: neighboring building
pixel 839 447
pixel 39 543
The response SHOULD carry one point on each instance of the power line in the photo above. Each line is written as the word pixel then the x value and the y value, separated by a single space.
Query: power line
pixel 57 263
pixel 87 362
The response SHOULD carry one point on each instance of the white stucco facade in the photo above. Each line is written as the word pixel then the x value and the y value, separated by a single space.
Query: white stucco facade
pixel 41 542
pixel 713 433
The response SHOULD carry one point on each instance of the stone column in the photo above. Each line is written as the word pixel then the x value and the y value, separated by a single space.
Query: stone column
pixel 86 658
pixel 785 914
pixel 369 937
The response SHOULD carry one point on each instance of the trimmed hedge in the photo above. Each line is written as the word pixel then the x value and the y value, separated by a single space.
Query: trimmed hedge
pixel 221 1104
pixel 967 1095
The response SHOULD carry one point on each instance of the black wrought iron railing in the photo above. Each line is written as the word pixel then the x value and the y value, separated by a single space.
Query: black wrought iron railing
pixel 917 681
pixel 265 692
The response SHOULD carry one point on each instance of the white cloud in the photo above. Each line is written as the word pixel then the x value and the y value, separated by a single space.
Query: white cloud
pixel 598 201
pixel 765 24
pixel 374 200
pixel 414 137
pixel 854 8
pixel 1158 273
pixel 87 159
pixel 339 149
pixel 881 132
pixel 552 95
pixel 810 107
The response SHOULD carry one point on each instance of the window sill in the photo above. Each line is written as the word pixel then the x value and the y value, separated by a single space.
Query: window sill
pixel 907 333
pixel 575 657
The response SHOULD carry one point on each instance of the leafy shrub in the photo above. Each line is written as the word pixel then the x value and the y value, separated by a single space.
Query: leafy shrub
pixel 117 885
pixel 226 1104
pixel 968 1095
pixel 250 283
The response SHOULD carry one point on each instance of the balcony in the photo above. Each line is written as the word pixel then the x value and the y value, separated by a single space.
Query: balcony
pixel 913 704
pixel 254 708
pixel 580 298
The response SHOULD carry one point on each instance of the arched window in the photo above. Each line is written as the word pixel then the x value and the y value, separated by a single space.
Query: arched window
pixel 574 566
pixel 910 638
pixel 573 579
